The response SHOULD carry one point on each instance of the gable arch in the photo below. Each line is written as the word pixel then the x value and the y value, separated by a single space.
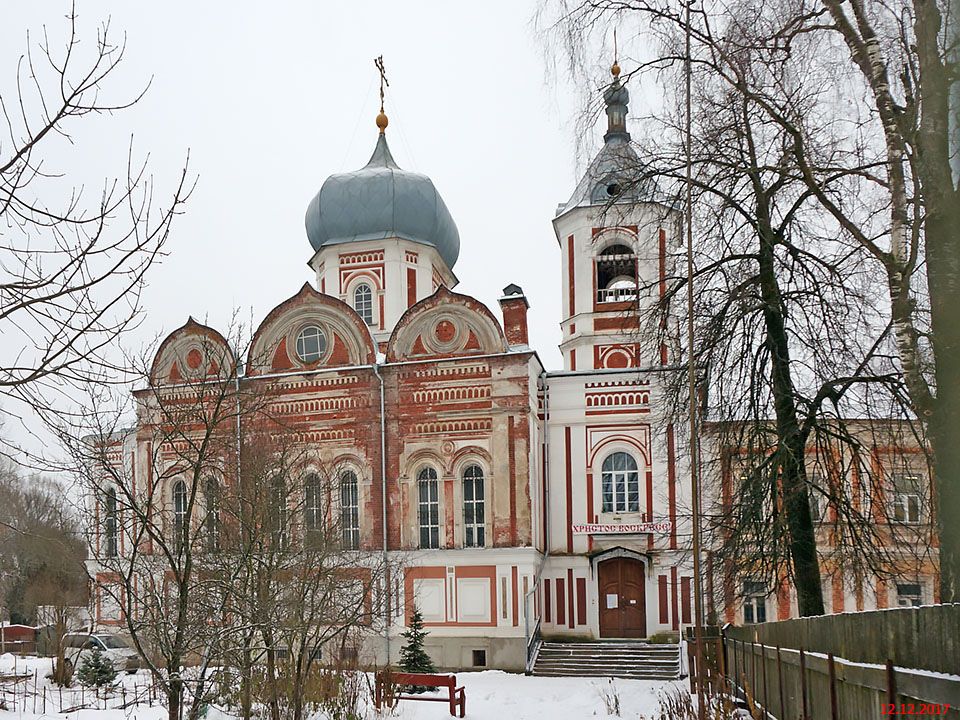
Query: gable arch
pixel 191 353
pixel 445 324
pixel 347 337
pixel 471 455
pixel 417 460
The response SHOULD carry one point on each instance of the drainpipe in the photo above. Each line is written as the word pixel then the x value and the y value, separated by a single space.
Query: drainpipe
pixel 546 520
pixel 383 510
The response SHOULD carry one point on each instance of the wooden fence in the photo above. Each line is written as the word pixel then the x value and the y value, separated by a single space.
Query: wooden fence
pixel 854 665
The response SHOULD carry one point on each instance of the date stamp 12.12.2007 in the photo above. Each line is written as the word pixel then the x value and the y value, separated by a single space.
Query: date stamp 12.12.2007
pixel 915 709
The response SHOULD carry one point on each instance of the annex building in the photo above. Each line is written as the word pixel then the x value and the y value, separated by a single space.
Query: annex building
pixel 515 496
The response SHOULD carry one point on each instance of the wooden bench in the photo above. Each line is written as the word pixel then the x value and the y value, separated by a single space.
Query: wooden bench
pixel 389 689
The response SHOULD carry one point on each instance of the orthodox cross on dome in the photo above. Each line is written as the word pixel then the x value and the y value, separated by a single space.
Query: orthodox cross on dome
pixel 384 83
pixel 615 68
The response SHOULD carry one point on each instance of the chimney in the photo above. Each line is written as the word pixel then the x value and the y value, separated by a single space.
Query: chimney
pixel 514 306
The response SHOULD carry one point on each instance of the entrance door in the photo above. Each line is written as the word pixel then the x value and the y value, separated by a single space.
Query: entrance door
pixel 622 598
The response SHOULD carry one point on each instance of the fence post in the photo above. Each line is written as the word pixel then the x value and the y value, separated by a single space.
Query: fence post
pixel 736 668
pixel 763 667
pixel 694 679
pixel 891 684
pixel 832 672
pixel 780 682
pixel 721 665
pixel 803 684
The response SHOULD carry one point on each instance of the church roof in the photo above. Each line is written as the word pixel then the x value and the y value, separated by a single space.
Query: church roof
pixel 381 200
pixel 616 173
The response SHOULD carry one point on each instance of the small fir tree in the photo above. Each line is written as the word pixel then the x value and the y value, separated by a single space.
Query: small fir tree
pixel 96 669
pixel 413 657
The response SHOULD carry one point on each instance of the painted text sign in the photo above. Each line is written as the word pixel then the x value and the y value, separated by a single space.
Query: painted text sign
pixel 660 526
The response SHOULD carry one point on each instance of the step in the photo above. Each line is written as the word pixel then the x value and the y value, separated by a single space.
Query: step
pixel 623 659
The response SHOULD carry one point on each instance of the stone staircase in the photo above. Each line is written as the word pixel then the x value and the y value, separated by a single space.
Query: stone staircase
pixel 619 658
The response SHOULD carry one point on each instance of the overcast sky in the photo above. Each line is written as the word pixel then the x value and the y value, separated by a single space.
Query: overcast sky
pixel 271 98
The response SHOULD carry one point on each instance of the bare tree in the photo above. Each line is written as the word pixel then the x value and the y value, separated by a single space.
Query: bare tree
pixel 289 558
pixel 146 493
pixel 72 265
pixel 774 160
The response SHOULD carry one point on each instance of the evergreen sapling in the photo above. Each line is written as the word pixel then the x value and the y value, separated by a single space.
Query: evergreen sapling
pixel 413 656
pixel 96 669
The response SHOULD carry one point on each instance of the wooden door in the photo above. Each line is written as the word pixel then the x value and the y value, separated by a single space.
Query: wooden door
pixel 623 604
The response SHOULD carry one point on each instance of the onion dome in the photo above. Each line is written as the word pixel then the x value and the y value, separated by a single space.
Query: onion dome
pixel 381 200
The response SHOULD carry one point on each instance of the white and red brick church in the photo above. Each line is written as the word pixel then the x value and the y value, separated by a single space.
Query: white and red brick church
pixel 518 497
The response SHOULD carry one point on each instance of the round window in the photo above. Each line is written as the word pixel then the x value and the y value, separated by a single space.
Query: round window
pixel 311 344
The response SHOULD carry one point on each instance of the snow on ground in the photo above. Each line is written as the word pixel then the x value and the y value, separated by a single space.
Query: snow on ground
pixel 491 695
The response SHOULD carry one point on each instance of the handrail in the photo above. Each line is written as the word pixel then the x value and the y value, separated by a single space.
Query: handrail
pixel 533 648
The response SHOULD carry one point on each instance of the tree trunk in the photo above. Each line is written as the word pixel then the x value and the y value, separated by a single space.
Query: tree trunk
pixel 174 698
pixel 790 440
pixel 942 238
pixel 245 669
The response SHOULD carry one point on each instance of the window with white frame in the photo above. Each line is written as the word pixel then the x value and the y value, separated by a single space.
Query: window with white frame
pixel 110 523
pixel 211 522
pixel 363 302
pixel 350 510
pixel 907 499
pixel 428 508
pixel 817 498
pixel 311 344
pixel 180 521
pixel 909 595
pixel 473 517
pixel 277 514
pixel 312 508
pixel 754 602
pixel 620 483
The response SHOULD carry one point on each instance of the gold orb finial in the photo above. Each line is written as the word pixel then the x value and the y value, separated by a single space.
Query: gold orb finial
pixel 615 69
pixel 382 122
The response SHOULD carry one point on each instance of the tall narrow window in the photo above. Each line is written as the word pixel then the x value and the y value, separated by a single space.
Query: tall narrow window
pixel 181 525
pixel 110 523
pixel 211 522
pixel 620 484
pixel 473 506
pixel 312 508
pixel 350 510
pixel 363 302
pixel 429 508
pixel 278 513
pixel 906 499
pixel 754 602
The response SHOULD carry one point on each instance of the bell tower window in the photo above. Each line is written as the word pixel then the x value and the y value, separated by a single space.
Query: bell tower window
pixel 363 302
pixel 616 275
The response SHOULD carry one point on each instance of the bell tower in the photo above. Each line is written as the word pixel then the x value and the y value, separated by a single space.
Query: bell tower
pixel 613 234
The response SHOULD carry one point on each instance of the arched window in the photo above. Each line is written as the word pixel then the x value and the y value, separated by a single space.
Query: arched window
pixel 621 483
pixel 211 522
pixel 363 302
pixel 473 520
pixel 110 523
pixel 350 510
pixel 428 508
pixel 616 274
pixel 312 508
pixel 181 525
pixel 278 513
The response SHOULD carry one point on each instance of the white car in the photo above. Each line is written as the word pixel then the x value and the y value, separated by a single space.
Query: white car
pixel 115 648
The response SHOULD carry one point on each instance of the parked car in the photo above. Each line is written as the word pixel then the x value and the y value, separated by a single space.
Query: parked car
pixel 114 647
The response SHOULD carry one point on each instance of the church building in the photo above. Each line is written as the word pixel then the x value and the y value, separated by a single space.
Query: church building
pixel 517 501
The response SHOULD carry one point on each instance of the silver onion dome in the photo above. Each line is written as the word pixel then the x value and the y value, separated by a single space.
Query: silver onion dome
pixel 381 200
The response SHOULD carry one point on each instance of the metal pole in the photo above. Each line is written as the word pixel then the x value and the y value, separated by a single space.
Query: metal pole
pixel 692 376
